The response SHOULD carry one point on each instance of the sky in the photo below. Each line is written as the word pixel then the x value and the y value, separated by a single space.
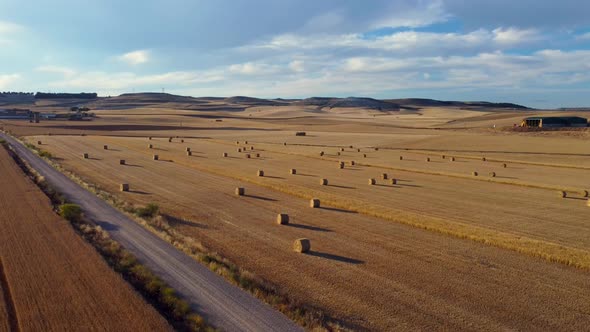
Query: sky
pixel 531 52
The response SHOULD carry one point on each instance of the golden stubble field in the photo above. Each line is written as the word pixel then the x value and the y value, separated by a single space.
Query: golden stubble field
pixel 50 279
pixel 409 255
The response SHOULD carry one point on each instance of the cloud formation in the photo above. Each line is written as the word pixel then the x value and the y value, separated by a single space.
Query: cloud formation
pixel 7 80
pixel 135 58
pixel 451 49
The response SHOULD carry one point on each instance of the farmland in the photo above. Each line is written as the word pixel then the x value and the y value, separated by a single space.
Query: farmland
pixel 440 248
pixel 50 279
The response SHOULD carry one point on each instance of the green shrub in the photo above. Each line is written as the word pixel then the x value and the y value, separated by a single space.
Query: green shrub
pixel 180 308
pixel 148 212
pixel 70 212
pixel 154 285
pixel 45 154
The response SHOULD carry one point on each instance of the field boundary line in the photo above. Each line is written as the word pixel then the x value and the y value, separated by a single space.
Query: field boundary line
pixel 472 157
pixel 447 174
pixel 9 300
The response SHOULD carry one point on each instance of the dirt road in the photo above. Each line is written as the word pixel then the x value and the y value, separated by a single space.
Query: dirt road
pixel 223 305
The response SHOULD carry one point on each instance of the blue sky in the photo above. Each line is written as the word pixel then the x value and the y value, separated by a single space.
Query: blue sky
pixel 533 52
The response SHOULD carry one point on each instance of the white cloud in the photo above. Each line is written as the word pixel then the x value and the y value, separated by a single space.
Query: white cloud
pixel 7 80
pixel 253 68
pixel 113 83
pixel 515 36
pixel 8 30
pixel 297 66
pixel 584 36
pixel 406 42
pixel 135 58
pixel 9 27
pixel 64 71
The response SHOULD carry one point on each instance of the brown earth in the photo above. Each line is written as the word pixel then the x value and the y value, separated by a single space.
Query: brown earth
pixel 57 282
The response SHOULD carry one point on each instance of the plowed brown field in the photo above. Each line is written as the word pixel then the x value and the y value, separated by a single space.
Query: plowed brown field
pixel 372 272
pixel 56 281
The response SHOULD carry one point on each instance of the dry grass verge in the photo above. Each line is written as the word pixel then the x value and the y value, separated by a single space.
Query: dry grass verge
pixel 155 291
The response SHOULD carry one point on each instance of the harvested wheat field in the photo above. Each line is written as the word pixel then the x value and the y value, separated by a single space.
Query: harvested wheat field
pixel 393 275
pixel 51 280
pixel 428 246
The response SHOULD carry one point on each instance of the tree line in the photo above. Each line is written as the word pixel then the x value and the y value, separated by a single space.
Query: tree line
pixel 49 95
pixel 83 95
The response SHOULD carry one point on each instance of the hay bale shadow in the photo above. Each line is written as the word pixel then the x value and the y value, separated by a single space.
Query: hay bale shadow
pixel 273 177
pixel 341 187
pixel 310 228
pixel 337 258
pixel 139 192
pixel 261 198
pixel 385 185
pixel 409 185
pixel 577 198
pixel 337 210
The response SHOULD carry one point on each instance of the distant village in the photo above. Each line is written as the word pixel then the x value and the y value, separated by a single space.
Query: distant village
pixel 73 113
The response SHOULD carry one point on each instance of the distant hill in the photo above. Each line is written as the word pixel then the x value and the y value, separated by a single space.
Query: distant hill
pixel 130 100
pixel 352 102
pixel 421 102
pixel 253 101
pixel 153 97
pixel 238 103
pixel 82 95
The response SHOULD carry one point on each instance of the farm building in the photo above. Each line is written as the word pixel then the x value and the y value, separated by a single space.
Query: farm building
pixel 554 121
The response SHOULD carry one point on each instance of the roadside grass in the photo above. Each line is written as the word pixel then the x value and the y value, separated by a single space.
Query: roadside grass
pixel 161 296
pixel 148 211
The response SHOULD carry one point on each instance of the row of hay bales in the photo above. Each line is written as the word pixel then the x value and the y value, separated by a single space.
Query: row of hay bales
pixel 341 149
pixel 384 176
pixel 302 245
pixel 244 149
